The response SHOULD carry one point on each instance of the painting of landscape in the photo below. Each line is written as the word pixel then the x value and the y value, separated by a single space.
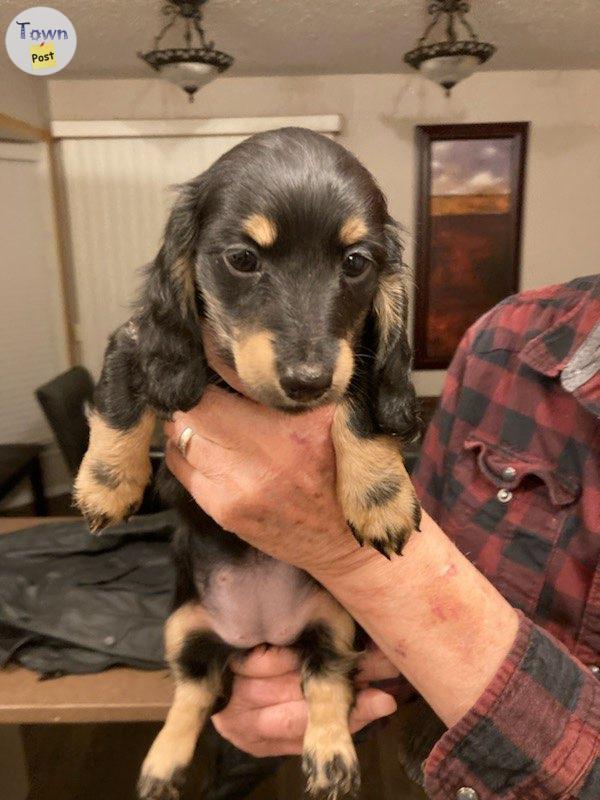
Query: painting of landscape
pixel 470 248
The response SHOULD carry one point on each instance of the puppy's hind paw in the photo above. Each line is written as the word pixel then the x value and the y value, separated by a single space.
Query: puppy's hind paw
pixel 332 776
pixel 152 788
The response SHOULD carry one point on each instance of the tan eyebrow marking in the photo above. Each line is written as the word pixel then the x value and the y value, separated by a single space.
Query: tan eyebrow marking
pixel 261 229
pixel 353 230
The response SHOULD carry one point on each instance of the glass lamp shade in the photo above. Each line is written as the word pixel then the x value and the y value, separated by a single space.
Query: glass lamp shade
pixel 447 71
pixel 189 75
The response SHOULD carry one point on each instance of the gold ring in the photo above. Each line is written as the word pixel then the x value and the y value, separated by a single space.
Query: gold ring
pixel 184 440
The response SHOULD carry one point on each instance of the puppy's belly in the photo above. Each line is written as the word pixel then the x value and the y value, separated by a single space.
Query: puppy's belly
pixel 259 601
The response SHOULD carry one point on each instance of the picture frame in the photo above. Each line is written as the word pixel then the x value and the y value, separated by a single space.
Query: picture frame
pixel 470 182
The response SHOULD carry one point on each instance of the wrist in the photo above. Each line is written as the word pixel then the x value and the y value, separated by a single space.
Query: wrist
pixel 359 574
pixel 340 556
pixel 433 614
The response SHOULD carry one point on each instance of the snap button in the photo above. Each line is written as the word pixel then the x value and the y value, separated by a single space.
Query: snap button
pixel 109 641
pixel 508 473
pixel 504 496
pixel 466 793
pixel 595 670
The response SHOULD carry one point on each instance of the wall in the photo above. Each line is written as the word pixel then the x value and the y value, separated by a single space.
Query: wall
pixel 23 96
pixel 31 321
pixel 562 204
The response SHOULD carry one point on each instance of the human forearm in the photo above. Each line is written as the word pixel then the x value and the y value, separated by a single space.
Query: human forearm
pixel 434 616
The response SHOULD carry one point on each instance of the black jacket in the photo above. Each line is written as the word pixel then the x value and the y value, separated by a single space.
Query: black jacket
pixel 71 602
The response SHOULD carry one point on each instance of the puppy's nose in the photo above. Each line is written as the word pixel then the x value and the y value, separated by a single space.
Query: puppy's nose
pixel 306 381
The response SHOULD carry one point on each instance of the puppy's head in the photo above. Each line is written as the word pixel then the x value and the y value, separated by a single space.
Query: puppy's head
pixel 285 247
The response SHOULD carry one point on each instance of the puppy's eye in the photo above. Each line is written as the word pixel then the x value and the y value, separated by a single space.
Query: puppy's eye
pixel 355 265
pixel 241 260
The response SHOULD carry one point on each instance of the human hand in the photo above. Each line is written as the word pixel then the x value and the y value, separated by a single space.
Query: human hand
pixel 267 476
pixel 266 715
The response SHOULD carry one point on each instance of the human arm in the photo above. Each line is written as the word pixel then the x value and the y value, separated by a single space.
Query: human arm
pixel 271 479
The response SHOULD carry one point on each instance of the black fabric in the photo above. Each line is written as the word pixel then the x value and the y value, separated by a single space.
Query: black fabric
pixel 71 602
pixel 63 400
pixel 236 774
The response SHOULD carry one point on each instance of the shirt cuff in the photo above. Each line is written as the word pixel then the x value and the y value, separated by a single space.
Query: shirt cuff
pixel 534 734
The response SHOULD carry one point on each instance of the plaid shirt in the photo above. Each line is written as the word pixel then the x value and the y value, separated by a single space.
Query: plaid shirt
pixel 510 469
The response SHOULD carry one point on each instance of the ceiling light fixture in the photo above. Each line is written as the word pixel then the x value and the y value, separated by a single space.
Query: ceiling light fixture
pixel 451 60
pixel 189 67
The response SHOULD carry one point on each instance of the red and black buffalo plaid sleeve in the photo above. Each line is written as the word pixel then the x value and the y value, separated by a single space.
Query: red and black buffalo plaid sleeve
pixel 510 469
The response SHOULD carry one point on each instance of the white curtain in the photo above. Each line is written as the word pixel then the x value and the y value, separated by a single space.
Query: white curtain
pixel 118 197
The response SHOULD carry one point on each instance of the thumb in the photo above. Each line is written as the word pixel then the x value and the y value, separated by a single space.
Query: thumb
pixel 371 704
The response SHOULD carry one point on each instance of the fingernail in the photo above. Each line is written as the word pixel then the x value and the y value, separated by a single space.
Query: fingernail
pixel 383 704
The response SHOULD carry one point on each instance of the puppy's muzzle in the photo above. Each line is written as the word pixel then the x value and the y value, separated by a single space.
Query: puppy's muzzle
pixel 306 382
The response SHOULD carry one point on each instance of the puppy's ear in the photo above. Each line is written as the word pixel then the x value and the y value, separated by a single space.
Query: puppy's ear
pixel 394 402
pixel 169 340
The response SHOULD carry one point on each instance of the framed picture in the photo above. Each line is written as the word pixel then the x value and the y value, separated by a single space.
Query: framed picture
pixel 468 229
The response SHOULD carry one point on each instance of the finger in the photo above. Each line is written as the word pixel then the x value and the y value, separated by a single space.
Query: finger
pixel 228 418
pixel 213 417
pixel 185 473
pixel 262 692
pixel 266 663
pixel 283 722
pixel 279 729
pixel 209 456
pixel 209 494
pixel 375 666
pixel 371 704
pixel 239 736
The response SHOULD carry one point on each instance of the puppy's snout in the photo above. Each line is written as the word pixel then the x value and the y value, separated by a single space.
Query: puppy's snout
pixel 306 381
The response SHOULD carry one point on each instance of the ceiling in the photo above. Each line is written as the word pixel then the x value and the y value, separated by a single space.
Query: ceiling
pixel 300 37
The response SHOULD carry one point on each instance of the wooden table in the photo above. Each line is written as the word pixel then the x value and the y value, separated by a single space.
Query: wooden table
pixel 117 695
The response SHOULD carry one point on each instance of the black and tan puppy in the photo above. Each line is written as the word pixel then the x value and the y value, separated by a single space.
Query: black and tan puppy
pixel 286 250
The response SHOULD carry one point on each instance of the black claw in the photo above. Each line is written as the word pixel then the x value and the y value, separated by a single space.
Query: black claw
pixel 131 510
pixel 335 769
pixel 309 766
pixel 381 545
pixel 398 539
pixel 417 514
pixel 97 522
pixel 355 533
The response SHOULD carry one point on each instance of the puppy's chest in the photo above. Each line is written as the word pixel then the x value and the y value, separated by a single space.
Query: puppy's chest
pixel 259 601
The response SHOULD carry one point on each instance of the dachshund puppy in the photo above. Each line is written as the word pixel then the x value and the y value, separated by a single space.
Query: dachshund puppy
pixel 285 249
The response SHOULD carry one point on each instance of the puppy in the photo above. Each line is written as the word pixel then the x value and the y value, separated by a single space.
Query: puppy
pixel 285 249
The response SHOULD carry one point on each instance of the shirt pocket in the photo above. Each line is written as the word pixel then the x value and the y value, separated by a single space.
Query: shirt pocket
pixel 505 512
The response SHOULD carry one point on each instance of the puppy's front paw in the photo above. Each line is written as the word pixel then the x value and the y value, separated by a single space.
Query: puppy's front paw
pixel 105 495
pixel 114 471
pixel 331 769
pixel 373 487
pixel 385 515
